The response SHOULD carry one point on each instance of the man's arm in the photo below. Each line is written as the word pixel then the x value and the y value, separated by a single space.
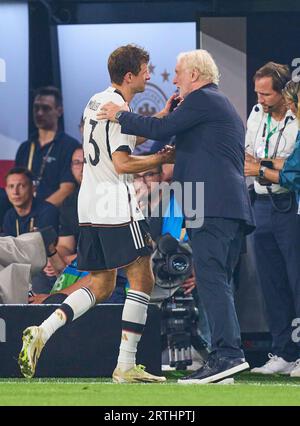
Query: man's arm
pixel 252 167
pixel 66 245
pixel 125 163
pixel 65 189
pixel 165 111
pixel 191 112
pixel 39 298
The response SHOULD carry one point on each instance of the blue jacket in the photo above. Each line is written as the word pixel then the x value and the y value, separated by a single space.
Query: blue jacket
pixel 210 139
pixel 289 176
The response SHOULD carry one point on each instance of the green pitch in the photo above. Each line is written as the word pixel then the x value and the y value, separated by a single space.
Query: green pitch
pixel 249 389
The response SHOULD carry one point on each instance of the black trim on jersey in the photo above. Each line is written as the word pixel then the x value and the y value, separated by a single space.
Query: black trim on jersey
pixel 119 93
pixel 133 327
pixel 107 140
pixel 124 148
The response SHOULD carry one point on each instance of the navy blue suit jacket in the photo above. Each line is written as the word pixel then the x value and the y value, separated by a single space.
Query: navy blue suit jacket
pixel 210 139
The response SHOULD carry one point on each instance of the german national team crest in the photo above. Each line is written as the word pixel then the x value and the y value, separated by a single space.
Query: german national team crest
pixel 149 102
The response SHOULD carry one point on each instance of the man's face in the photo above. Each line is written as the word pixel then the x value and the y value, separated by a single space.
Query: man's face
pixel 139 81
pixel 183 79
pixel 19 190
pixel 270 100
pixel 77 165
pixel 46 113
pixel 147 178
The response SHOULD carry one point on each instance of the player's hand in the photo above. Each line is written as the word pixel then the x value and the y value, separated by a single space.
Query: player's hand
pixel 167 154
pixel 109 110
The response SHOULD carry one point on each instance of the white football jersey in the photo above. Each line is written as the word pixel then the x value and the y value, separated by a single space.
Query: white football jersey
pixel 105 197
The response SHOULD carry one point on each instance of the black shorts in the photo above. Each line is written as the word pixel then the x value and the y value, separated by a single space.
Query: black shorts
pixel 112 247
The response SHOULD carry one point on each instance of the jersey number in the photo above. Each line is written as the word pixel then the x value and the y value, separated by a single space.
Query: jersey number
pixel 94 161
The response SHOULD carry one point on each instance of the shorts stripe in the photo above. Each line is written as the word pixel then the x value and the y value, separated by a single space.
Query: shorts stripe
pixel 136 234
pixel 134 237
pixel 140 234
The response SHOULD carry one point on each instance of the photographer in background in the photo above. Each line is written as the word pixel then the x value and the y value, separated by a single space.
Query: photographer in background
pixel 271 136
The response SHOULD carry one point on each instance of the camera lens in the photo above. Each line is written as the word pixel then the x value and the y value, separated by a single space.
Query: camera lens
pixel 179 264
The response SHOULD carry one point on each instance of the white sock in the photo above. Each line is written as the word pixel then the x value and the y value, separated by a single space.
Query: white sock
pixel 133 321
pixel 73 307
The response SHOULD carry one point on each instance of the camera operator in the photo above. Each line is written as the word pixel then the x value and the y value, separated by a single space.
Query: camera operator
pixel 271 137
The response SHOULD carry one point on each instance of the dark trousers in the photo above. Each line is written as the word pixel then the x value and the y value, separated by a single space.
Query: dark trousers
pixel 277 249
pixel 216 248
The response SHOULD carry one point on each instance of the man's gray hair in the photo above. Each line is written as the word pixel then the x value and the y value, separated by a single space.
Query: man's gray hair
pixel 201 61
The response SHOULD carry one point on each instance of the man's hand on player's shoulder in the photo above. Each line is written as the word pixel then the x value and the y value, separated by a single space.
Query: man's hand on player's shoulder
pixel 108 111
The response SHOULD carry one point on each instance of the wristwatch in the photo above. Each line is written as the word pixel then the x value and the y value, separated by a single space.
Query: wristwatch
pixel 262 170
pixel 118 115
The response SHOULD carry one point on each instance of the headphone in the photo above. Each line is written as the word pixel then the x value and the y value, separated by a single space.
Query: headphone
pixel 281 78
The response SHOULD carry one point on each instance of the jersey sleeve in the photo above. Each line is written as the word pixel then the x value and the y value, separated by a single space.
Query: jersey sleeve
pixel 118 141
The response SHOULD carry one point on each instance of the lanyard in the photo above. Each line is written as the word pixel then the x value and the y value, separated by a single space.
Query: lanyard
pixel 31 226
pixel 44 162
pixel 270 133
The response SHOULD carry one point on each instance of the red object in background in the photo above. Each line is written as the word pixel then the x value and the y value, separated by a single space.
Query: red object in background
pixel 5 165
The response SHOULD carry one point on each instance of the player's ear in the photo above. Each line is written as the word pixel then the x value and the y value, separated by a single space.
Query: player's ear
pixel 128 77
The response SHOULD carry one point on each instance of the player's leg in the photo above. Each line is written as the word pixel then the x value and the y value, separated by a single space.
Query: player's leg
pixel 134 317
pixel 100 287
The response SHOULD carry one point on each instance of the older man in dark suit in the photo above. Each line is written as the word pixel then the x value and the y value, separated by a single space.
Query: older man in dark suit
pixel 209 149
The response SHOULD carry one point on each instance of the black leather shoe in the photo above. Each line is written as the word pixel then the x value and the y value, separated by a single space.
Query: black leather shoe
pixel 215 369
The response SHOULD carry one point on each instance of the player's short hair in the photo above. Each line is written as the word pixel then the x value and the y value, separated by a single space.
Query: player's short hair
pixel 49 91
pixel 201 61
pixel 126 59
pixel 20 171
pixel 279 73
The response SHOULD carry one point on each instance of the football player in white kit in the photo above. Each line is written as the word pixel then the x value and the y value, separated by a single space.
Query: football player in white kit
pixel 113 232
